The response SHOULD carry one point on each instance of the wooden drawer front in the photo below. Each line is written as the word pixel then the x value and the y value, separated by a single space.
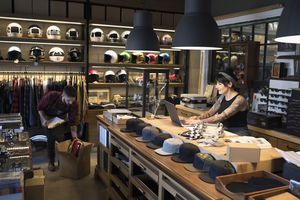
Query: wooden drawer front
pixel 143 189
pixel 120 145
pixel 122 188
pixel 113 194
pixel 147 167
pixel 121 166
pixel 288 146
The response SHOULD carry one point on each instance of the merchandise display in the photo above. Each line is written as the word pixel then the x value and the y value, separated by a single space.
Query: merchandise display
pixel 124 36
pixel 53 32
pixel 56 54
pixel 148 134
pixel 14 30
pixel 124 57
pixel 139 129
pixel 186 154
pixel 72 34
pixel 121 76
pixel 151 58
pixel 113 36
pixel 166 39
pixel 170 146
pixel 14 53
pixel 201 163
pixel 34 31
pixel 74 55
pixel 97 35
pixel 158 141
pixel 93 76
pixel 110 76
pixel 137 57
pixel 163 58
pixel 110 56
pixel 36 54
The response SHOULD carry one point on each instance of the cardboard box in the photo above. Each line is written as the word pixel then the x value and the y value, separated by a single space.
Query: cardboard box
pixel 238 152
pixel 34 187
pixel 71 166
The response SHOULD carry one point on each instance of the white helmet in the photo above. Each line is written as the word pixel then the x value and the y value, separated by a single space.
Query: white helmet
pixel 14 30
pixel 166 39
pixel 34 31
pixel 36 53
pixel 124 36
pixel 72 34
pixel 97 35
pixel 110 56
pixel 56 54
pixel 110 76
pixel 113 36
pixel 53 32
pixel 14 53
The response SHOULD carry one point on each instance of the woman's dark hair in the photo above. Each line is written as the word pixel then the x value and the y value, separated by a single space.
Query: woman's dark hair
pixel 221 78
pixel 70 91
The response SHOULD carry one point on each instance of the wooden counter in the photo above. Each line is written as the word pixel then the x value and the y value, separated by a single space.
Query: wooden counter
pixel 188 112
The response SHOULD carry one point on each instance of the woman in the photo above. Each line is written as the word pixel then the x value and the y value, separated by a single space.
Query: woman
pixel 230 108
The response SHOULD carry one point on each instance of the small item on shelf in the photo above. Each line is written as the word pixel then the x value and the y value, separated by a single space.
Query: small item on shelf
pixel 110 56
pixel 36 53
pixel 93 76
pixel 113 36
pixel 150 58
pixel 72 34
pixel 34 31
pixel 166 39
pixel 193 101
pixel 14 53
pixel 121 76
pixel 124 36
pixel 163 58
pixel 56 54
pixel 124 57
pixel 174 78
pixel 74 55
pixel 110 76
pixel 97 35
pixel 137 57
pixel 53 32
pixel 14 30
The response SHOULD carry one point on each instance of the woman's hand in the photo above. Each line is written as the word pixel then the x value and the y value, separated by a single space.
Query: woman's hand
pixel 191 120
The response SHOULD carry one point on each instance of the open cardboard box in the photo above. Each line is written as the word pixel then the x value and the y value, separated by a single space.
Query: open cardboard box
pixel 282 194
pixel 34 187
pixel 222 181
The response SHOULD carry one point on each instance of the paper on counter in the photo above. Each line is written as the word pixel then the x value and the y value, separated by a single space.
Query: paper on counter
pixel 290 156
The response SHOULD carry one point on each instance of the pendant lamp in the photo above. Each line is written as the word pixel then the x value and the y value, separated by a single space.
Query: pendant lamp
pixel 142 38
pixel 197 29
pixel 289 28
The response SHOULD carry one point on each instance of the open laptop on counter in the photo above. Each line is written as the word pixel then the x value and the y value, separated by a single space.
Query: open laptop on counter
pixel 174 116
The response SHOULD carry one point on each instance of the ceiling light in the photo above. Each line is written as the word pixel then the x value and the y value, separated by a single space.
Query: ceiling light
pixel 197 29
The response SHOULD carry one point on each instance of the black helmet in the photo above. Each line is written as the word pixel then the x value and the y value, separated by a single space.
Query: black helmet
pixel 74 55
pixel 113 36
pixel 110 76
pixel 72 34
pixel 36 53
pixel 93 76
pixel 14 53
pixel 121 75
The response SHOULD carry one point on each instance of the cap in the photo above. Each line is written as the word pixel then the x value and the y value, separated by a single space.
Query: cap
pixel 131 125
pixel 148 134
pixel 139 128
pixel 217 168
pixel 202 162
pixel 158 140
pixel 186 154
pixel 170 146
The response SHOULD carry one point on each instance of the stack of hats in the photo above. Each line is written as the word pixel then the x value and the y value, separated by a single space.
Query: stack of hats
pixel 201 163
pixel 158 140
pixel 186 154
pixel 148 134
pixel 131 125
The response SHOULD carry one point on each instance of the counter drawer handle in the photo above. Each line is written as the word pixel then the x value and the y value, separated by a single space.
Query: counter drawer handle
pixel 178 197
pixel 143 167
pixel 142 191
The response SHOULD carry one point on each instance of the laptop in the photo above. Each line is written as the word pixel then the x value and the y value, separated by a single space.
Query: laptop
pixel 173 114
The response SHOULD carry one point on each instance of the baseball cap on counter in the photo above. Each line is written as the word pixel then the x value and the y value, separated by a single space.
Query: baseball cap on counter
pixel 148 134
pixel 158 140
pixel 217 168
pixel 139 128
pixel 186 154
pixel 170 147
pixel 201 163
pixel 131 125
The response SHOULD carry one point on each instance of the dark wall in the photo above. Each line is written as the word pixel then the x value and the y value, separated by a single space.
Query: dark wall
pixel 222 7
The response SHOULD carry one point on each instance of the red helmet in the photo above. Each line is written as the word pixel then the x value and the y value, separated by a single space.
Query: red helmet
pixel 93 71
pixel 93 76
pixel 150 58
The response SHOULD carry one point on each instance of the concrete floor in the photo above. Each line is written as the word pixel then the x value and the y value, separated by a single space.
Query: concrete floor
pixel 59 188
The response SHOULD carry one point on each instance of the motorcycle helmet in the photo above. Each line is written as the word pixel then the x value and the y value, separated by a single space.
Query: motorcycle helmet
pixel 56 54
pixel 14 30
pixel 74 55
pixel 166 39
pixel 137 57
pixel 174 77
pixel 97 35
pixel 124 57
pixel 150 58
pixel 124 36
pixel 110 56
pixel 113 36
pixel 121 76
pixel 53 32
pixel 14 53
pixel 34 31
pixel 110 76
pixel 36 53
pixel 93 76
pixel 72 34
pixel 163 58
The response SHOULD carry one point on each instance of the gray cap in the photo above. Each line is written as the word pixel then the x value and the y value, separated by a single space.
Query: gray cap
pixel 170 146
pixel 148 134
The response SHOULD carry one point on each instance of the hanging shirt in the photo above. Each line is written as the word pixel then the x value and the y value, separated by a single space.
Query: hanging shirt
pixel 52 105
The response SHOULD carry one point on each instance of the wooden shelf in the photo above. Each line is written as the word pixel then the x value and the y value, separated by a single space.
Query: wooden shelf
pixel 130 65
pixel 40 41
pixel 109 85
pixel 42 63
pixel 122 45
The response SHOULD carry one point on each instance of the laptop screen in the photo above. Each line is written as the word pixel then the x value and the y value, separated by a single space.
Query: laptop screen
pixel 173 113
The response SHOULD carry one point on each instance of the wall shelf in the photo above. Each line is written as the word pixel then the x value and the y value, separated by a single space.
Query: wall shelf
pixel 42 63
pixel 130 65
pixel 109 85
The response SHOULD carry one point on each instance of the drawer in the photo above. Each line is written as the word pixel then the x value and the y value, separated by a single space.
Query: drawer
pixel 140 190
pixel 114 194
pixel 124 149
pixel 120 166
pixel 119 186
pixel 288 146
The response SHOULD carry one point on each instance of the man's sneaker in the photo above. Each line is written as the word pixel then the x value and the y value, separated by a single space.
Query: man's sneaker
pixel 51 167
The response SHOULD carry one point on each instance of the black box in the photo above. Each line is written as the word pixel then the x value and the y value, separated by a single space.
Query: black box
pixel 264 120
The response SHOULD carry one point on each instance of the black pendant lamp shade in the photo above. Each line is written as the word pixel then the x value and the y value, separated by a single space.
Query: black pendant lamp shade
pixel 142 38
pixel 197 29
pixel 289 26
